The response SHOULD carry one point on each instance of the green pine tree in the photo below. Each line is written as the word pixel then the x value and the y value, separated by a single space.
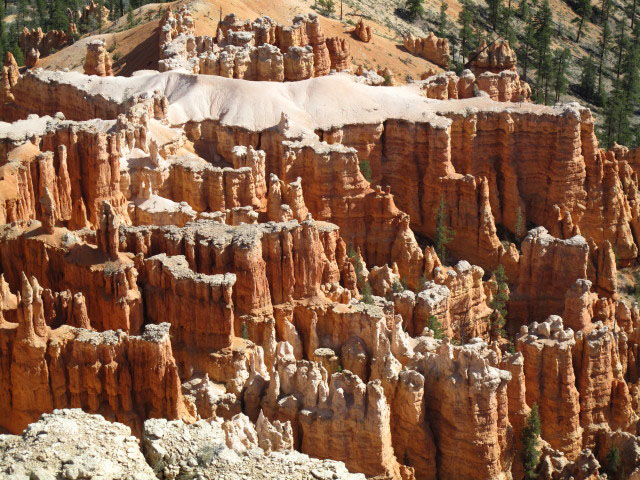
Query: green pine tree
pixel 444 234
pixel 531 451
pixel 130 17
pixel 436 326
pixel 542 37
pixel 466 20
pixel 587 85
pixel 613 464
pixel 443 23
pixel 507 28
pixel 367 296
pixel 560 63
pixel 604 41
pixel 520 227
pixel 495 7
pixel 414 9
pixel 526 49
pixel 584 11
pixel 365 169
pixel 499 302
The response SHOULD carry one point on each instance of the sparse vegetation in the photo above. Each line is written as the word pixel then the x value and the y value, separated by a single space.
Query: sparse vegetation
pixel 613 464
pixel 499 303
pixel 365 167
pixel 444 234
pixel 244 331
pixel 436 326
pixel 367 295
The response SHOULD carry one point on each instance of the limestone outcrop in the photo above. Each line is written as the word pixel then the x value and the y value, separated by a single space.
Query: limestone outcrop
pixel 42 43
pixel 261 50
pixel 434 49
pixel 363 31
pixel 494 58
pixel 98 60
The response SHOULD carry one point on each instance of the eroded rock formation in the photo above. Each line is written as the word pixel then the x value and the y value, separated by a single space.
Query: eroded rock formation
pixel 261 270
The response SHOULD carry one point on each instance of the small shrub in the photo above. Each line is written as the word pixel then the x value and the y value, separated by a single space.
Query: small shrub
pixel 397 287
pixel 245 331
pixel 365 169
pixel 367 296
pixel 436 326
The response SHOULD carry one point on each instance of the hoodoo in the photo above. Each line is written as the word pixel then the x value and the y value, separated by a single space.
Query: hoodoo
pixel 234 249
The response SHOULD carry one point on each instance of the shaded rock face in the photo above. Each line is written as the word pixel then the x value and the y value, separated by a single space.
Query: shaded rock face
pixel 261 50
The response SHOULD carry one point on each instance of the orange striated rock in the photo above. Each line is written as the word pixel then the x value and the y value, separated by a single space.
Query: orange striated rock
pixel 98 60
pixel 434 49
pixel 363 32
pixel 298 63
pixel 456 379
pixel 551 382
pixel 42 44
pixel 125 378
pixel 199 307
pixel 549 267
pixel 505 86
pixel 495 58
pixel 604 394
pixel 62 262
pixel 302 391
pixel 340 54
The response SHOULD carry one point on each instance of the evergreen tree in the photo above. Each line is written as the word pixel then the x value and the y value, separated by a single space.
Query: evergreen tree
pixel 436 326
pixel 584 11
pixel 444 234
pixel 622 42
pixel 495 7
pixel 613 462
pixel 588 79
pixel 531 451
pixel 443 24
pixel 560 80
pixel 465 17
pixel 499 302
pixel 621 104
pixel 542 36
pixel 520 227
pixel 367 296
pixel 414 9
pixel 527 44
pixel 42 14
pixel 507 28
pixel 365 169
pixel 130 17
pixel 2 30
pixel 604 41
pixel 22 8
pixel 58 19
